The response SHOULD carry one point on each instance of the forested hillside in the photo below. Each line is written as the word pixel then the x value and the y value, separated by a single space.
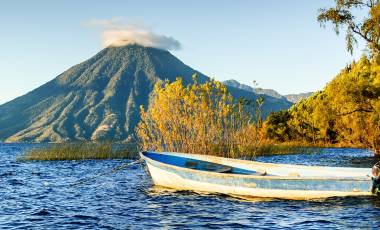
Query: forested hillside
pixel 346 111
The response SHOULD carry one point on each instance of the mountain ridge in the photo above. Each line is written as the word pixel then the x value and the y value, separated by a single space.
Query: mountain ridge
pixel 293 98
pixel 100 97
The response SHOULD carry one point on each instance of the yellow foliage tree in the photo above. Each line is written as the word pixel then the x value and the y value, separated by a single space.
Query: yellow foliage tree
pixel 347 111
pixel 197 118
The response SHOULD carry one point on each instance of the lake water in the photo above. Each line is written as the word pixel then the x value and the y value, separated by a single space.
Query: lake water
pixel 41 195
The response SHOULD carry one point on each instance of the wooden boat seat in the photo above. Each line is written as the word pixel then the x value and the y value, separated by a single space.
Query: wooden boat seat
pixel 207 166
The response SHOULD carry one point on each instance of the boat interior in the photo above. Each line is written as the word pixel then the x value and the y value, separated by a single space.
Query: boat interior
pixel 197 164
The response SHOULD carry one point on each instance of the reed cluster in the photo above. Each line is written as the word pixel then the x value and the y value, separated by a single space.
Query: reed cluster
pixel 80 151
pixel 283 149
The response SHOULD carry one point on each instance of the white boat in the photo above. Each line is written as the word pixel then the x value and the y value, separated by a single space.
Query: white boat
pixel 236 177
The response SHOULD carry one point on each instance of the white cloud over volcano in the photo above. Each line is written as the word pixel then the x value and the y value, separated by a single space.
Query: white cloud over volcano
pixel 116 32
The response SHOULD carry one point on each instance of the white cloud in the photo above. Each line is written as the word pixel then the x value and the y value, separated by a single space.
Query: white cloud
pixel 116 32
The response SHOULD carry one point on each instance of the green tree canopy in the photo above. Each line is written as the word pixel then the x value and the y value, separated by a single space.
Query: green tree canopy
pixel 346 14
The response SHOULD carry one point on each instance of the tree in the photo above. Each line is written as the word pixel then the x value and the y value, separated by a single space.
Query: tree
pixel 277 126
pixel 346 111
pixel 197 118
pixel 367 27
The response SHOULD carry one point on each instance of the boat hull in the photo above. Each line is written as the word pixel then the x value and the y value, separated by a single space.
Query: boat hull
pixel 268 186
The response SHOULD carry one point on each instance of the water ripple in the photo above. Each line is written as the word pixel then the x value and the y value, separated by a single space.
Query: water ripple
pixel 39 195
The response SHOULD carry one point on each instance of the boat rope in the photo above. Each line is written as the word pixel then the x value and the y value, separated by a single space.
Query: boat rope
pixel 116 169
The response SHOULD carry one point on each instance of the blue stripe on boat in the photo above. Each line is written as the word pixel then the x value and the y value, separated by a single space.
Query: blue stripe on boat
pixel 198 164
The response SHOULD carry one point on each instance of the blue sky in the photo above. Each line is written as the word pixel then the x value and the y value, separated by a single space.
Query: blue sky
pixel 278 43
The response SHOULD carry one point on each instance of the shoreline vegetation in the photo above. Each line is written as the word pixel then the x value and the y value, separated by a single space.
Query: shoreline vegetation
pixel 108 150
pixel 80 151
pixel 346 112
pixel 97 151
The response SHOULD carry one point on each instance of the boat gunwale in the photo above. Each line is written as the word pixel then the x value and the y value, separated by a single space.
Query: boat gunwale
pixel 233 175
pixel 279 165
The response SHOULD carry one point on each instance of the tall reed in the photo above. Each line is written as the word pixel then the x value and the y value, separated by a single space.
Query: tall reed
pixel 80 151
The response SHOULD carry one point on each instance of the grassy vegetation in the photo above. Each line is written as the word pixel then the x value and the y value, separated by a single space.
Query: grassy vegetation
pixel 283 149
pixel 271 147
pixel 81 151
pixel 88 150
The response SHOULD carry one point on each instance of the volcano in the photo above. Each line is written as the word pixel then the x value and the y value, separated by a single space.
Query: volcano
pixel 100 97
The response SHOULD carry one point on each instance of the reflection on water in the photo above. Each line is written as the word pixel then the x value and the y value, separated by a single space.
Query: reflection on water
pixel 163 191
pixel 39 195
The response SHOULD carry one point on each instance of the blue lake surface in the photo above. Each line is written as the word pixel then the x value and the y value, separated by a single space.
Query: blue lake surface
pixel 41 195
